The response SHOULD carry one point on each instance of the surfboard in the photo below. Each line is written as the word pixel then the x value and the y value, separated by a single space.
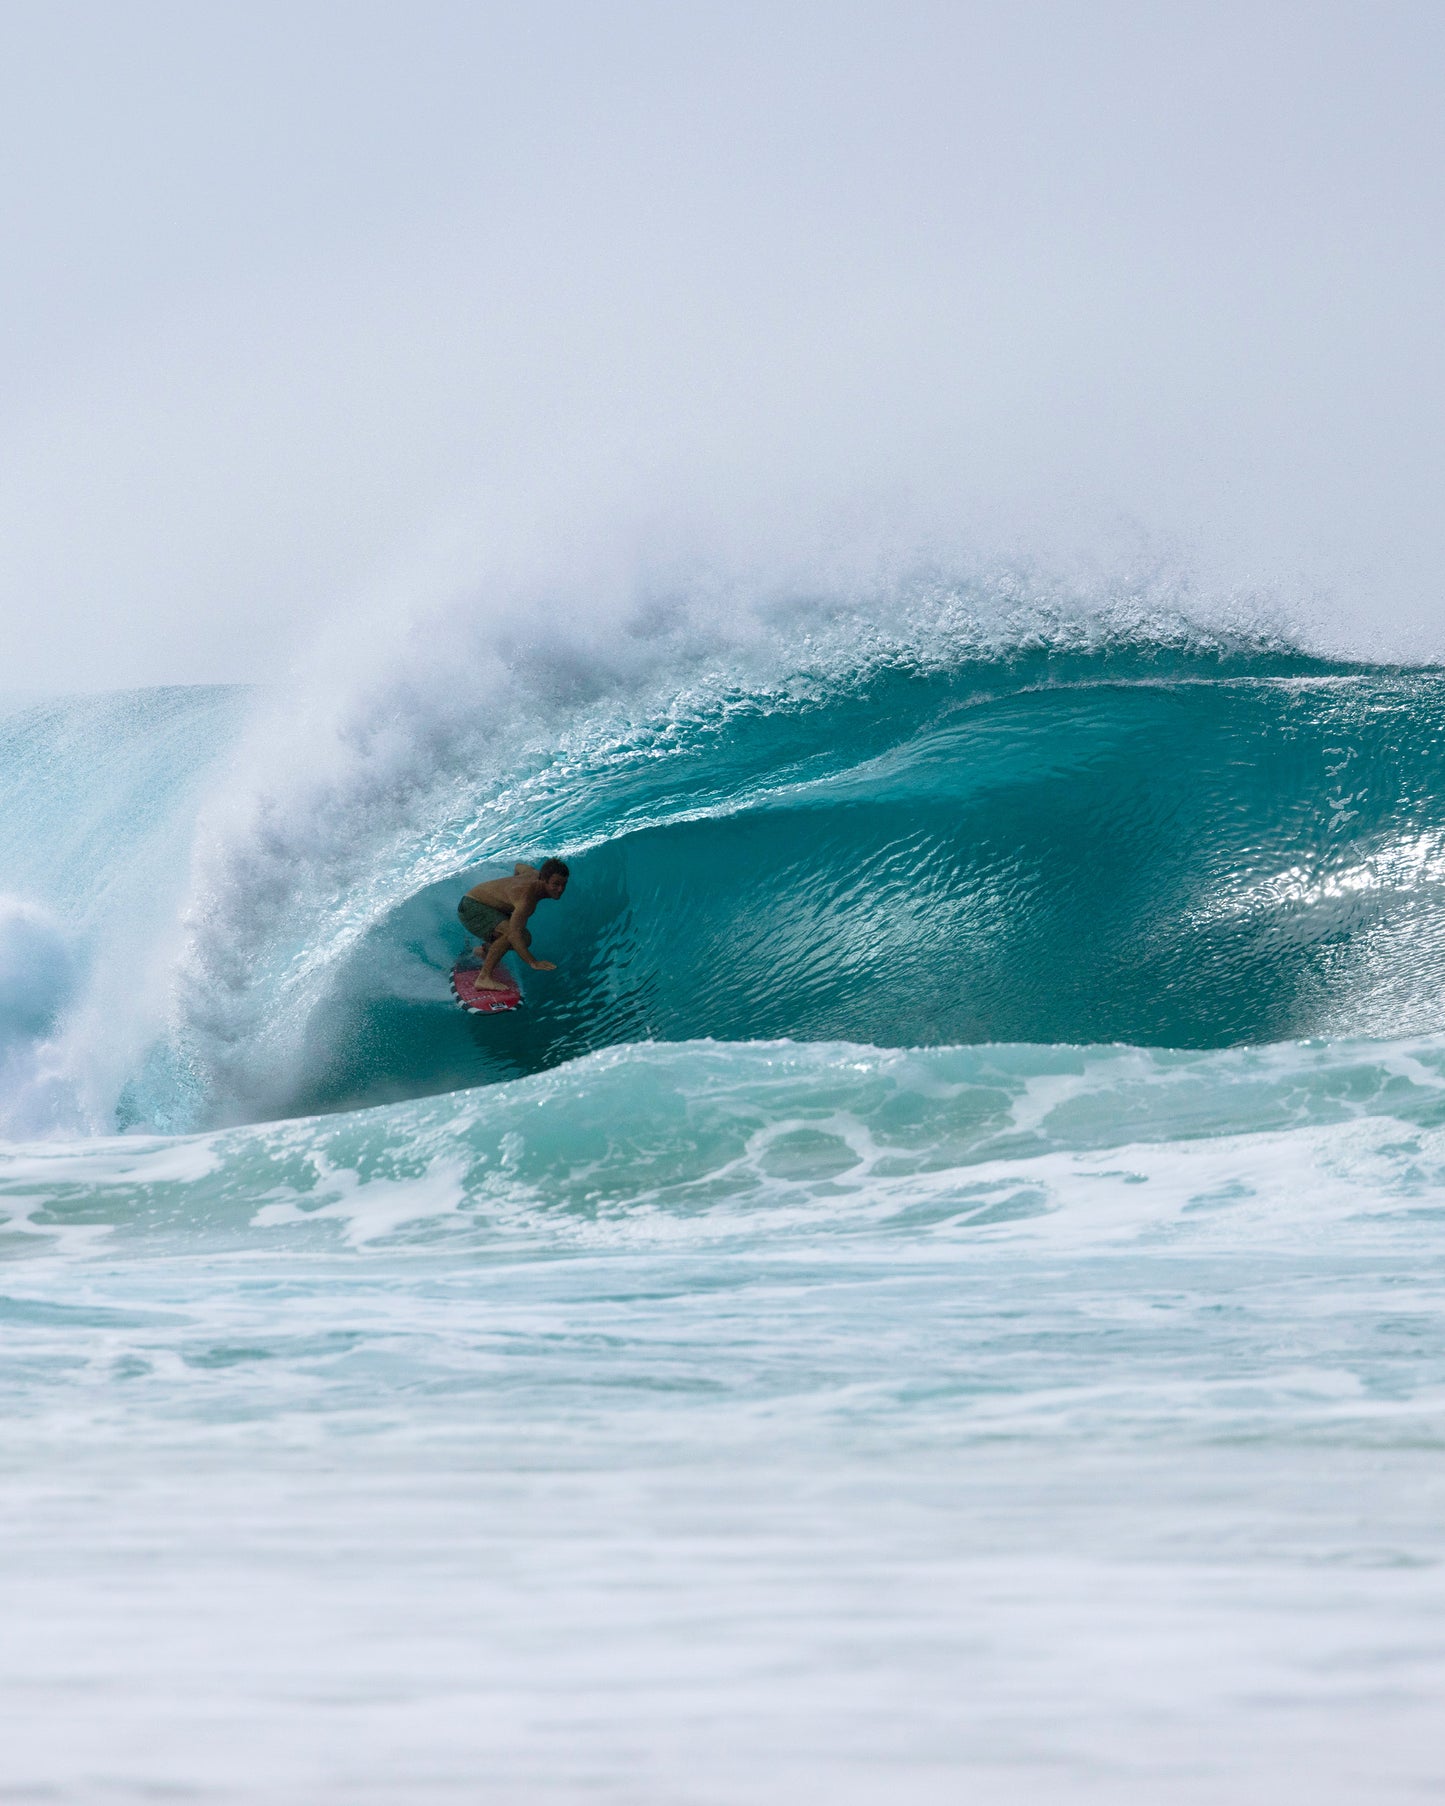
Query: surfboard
pixel 465 974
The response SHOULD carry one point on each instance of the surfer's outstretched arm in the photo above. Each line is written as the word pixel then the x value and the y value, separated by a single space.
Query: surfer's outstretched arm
pixel 521 940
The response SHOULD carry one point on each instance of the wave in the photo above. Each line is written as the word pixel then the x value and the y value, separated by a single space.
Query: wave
pixel 981 822
pixel 1080 851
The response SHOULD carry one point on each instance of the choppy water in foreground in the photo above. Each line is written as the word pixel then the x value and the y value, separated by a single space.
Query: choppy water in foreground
pixel 639 1406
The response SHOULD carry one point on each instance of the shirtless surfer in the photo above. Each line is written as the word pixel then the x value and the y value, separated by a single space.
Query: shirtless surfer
pixel 496 913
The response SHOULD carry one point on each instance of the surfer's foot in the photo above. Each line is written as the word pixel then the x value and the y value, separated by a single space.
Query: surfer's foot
pixel 482 983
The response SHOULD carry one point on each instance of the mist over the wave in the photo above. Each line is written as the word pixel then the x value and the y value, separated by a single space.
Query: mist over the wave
pixel 300 303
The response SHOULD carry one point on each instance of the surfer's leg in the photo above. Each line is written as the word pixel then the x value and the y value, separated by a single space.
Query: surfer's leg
pixel 500 943
pixel 484 922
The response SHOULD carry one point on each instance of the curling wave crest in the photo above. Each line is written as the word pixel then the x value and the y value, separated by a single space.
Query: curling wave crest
pixel 1058 830
pixel 1129 844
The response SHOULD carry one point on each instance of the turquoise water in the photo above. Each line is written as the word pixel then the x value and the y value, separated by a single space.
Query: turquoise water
pixel 938 1297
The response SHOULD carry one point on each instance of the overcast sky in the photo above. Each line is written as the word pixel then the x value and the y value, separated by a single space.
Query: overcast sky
pixel 293 294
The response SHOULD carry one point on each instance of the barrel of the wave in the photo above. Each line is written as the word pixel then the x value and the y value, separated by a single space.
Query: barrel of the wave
pixel 465 989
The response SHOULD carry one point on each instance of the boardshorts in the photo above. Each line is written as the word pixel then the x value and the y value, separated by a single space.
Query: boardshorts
pixel 481 919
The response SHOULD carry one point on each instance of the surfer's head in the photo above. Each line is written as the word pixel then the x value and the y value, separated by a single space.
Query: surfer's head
pixel 553 875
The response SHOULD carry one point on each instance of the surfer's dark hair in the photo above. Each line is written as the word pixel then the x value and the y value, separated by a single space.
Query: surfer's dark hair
pixel 552 868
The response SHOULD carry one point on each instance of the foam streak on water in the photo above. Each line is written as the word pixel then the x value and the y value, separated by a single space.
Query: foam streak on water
pixel 820 1419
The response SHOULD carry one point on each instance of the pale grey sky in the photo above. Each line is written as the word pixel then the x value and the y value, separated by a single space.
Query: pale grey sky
pixel 294 294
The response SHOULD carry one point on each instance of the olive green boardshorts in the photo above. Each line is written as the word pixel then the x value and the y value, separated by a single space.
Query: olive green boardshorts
pixel 481 919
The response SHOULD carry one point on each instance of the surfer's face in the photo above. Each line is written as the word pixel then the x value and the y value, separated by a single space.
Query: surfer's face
pixel 556 885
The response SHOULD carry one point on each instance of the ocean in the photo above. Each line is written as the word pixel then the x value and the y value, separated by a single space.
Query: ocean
pixel 937 1298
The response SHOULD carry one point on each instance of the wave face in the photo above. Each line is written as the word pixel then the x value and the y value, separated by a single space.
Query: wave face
pixel 1134 844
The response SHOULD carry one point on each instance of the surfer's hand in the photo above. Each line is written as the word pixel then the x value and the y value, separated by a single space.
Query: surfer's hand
pixel 546 965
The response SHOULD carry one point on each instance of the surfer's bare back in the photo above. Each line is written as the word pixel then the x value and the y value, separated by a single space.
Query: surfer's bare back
pixel 496 913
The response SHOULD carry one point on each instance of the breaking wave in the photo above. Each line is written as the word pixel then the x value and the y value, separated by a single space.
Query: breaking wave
pixel 989 823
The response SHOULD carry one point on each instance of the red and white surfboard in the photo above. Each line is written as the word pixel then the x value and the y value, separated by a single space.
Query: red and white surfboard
pixel 465 974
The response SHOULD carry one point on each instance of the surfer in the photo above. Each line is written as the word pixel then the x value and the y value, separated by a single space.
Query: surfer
pixel 496 913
